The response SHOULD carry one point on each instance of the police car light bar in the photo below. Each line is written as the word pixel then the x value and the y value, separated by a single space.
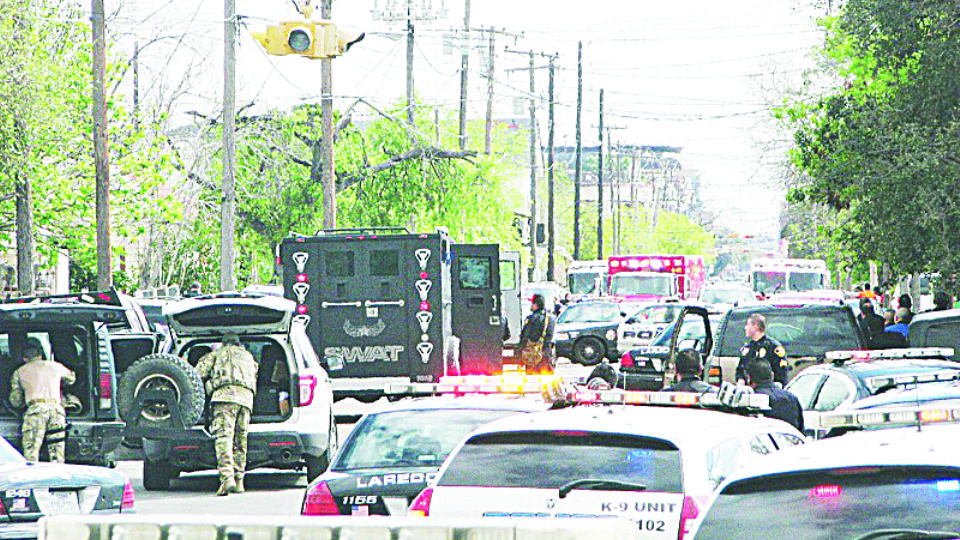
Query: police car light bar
pixel 508 383
pixel 876 383
pixel 892 418
pixel 839 357
pixel 730 396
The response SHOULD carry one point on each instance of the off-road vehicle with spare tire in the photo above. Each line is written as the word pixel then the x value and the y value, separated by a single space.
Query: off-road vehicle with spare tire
pixel 162 398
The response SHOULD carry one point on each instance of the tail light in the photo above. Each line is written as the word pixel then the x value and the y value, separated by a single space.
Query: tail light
pixel 308 383
pixel 626 360
pixel 420 507
pixel 106 390
pixel 319 501
pixel 714 375
pixel 689 513
pixel 127 501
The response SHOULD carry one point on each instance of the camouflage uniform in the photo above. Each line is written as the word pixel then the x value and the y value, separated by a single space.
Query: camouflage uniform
pixel 36 384
pixel 230 377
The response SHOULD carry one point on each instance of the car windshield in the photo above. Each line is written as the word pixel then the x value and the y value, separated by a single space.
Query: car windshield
pixel 633 284
pixel 769 282
pixel 837 503
pixel 410 438
pixel 583 282
pixel 550 459
pixel 803 331
pixel 656 314
pixel 805 281
pixel 590 313
pixel 726 296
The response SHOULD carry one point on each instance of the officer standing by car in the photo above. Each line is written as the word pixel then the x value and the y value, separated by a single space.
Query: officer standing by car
pixel 783 404
pixel 536 337
pixel 39 380
pixel 689 367
pixel 230 378
pixel 761 347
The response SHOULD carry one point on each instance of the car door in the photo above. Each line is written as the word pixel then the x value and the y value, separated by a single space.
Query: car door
pixel 475 287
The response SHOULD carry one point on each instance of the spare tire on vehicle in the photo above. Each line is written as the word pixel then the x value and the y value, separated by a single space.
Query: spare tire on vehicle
pixel 156 372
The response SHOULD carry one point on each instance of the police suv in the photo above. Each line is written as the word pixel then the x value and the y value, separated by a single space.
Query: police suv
pixel 606 458
pixel 382 305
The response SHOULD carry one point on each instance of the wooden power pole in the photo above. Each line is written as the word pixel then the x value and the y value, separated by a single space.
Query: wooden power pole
pixel 228 205
pixel 326 139
pixel 578 166
pixel 101 157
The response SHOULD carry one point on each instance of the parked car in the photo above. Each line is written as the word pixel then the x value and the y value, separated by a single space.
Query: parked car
pixel 393 452
pixel 807 330
pixel 853 377
pixel 163 400
pixel 29 491
pixel 586 332
pixel 882 484
pixel 937 329
pixel 655 465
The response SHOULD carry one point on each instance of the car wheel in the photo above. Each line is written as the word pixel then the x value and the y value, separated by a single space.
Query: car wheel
pixel 161 372
pixel 589 351
pixel 157 475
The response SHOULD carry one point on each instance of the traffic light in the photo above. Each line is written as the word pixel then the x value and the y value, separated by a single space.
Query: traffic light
pixel 312 39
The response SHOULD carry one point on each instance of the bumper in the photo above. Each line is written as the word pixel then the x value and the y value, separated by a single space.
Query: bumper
pixel 194 449
pixel 640 380
pixel 90 442
pixel 28 529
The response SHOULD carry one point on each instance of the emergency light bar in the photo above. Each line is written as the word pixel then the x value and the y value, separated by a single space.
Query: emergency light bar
pixel 876 383
pixel 730 396
pixel 509 383
pixel 839 357
pixel 892 418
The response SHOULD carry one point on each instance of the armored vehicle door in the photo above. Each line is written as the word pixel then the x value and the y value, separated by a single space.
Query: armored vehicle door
pixel 510 302
pixel 476 307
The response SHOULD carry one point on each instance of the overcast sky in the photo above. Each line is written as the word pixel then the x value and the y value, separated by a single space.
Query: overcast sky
pixel 698 74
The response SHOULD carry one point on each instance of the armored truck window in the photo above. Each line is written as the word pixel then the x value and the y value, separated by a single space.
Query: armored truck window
pixel 340 264
pixel 385 263
pixel 475 273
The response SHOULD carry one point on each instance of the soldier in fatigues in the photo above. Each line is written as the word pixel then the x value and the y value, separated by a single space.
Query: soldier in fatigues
pixel 39 381
pixel 230 378
pixel 762 347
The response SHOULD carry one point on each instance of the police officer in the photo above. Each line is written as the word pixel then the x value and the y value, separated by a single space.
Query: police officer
pixel 783 404
pixel 230 378
pixel 761 347
pixel 538 329
pixel 39 380
pixel 689 366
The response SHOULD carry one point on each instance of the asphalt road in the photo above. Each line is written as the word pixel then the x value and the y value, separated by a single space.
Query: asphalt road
pixel 268 491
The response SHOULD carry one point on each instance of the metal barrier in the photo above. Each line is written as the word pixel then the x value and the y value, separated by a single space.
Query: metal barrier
pixel 229 527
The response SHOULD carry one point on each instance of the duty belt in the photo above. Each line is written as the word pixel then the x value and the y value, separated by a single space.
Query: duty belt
pixel 43 400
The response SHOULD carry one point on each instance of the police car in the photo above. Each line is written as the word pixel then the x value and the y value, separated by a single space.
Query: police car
pixel 29 491
pixel 883 484
pixel 392 453
pixel 853 376
pixel 654 465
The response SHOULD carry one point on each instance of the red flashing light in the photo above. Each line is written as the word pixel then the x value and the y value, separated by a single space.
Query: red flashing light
pixel 424 306
pixel 361 237
pixel 276 261
pixel 420 507
pixel 127 502
pixel 626 360
pixel 826 491
pixel 104 296
pixel 301 309
pixel 301 278
pixel 424 275
pixel 299 239
pixel 319 501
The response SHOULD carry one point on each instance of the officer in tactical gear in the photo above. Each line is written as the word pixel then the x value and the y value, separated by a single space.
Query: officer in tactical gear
pixel 230 378
pixel 38 381
pixel 689 367
pixel 761 347
pixel 536 338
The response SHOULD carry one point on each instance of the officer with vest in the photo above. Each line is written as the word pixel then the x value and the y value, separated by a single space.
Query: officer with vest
pixel 38 381
pixel 759 346
pixel 230 378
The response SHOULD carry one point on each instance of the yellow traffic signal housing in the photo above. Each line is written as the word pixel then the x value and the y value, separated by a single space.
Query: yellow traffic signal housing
pixel 312 39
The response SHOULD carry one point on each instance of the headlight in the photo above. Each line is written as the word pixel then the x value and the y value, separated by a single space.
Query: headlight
pixel 562 336
pixel 611 335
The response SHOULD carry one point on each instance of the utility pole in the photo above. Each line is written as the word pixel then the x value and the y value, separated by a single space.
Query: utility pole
pixel 101 156
pixel 410 101
pixel 551 228
pixel 488 127
pixel 326 139
pixel 600 185
pixel 577 168
pixel 464 70
pixel 228 205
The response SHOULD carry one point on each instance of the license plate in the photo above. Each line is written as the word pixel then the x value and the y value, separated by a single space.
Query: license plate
pixel 58 502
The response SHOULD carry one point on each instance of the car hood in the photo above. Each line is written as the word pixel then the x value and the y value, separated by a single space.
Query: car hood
pixel 214 316
pixel 34 475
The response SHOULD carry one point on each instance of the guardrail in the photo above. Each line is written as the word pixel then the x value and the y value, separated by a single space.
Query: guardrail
pixel 229 527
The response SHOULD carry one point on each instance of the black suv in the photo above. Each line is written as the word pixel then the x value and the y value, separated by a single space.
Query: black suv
pixel 94 334
pixel 806 330
pixel 937 329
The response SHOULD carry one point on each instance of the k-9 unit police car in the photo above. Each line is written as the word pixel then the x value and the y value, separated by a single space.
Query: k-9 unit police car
pixel 383 305
pixel 655 464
